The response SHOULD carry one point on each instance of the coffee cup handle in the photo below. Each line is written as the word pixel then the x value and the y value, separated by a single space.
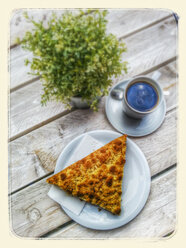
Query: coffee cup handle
pixel 156 75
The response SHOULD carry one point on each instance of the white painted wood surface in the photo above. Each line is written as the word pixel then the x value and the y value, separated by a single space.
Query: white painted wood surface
pixel 153 53
pixel 66 128
pixel 118 20
pixel 27 112
pixel 34 214
pixel 159 157
pixel 18 55
pixel 162 202
pixel 39 134
pixel 38 154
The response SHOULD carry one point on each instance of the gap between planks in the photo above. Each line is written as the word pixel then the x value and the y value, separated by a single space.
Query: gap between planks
pixel 33 182
pixel 119 38
pixel 53 118
pixel 68 223
pixel 71 222
pixel 73 109
pixel 49 174
pixel 29 130
pixel 145 27
pixel 130 33
pixel 145 72
pixel 24 84
pixel 86 13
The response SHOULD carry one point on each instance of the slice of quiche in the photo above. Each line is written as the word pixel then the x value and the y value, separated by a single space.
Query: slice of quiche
pixel 97 178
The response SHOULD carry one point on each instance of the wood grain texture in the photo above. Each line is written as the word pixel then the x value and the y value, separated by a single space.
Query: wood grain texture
pixel 19 25
pixel 156 219
pixel 155 225
pixel 19 73
pixel 118 23
pixel 26 110
pixel 145 50
pixel 34 155
pixel 116 18
pixel 142 55
pixel 119 19
pixel 34 214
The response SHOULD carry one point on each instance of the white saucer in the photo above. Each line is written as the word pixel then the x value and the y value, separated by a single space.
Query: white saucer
pixel 132 127
pixel 135 187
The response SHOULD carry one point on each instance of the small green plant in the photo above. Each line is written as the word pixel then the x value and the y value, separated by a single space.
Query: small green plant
pixel 74 56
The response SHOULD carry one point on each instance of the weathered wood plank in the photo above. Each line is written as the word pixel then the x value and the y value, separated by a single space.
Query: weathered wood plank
pixel 142 55
pixel 120 18
pixel 34 214
pixel 18 70
pixel 26 110
pixel 123 22
pixel 144 49
pixel 156 219
pixel 119 22
pixel 158 225
pixel 34 155
pixel 169 82
pixel 52 138
pixel 19 25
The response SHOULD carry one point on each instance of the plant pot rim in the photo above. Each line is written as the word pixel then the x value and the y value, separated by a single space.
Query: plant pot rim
pixel 79 103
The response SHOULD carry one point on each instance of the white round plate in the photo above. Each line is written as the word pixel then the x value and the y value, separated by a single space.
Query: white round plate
pixel 135 186
pixel 125 124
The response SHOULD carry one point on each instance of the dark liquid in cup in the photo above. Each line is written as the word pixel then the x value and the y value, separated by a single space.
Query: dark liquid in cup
pixel 142 96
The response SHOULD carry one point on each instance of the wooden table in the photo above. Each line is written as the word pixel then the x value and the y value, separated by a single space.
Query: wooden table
pixel 37 135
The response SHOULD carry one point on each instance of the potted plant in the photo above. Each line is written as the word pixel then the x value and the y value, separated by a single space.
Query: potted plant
pixel 74 56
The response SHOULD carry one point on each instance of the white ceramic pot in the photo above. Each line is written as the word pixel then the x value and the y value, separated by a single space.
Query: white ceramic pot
pixel 77 102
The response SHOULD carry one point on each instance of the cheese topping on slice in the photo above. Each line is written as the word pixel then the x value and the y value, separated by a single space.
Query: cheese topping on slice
pixel 97 178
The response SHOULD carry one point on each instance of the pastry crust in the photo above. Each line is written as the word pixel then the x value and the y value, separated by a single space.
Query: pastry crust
pixel 97 178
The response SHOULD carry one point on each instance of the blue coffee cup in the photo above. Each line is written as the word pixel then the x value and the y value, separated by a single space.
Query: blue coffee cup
pixel 142 96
